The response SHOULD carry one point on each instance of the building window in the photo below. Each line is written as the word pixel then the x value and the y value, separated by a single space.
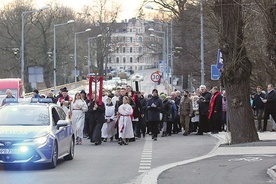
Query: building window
pixel 124 49
pixel 124 59
pixel 130 30
pixel 130 49
pixel 117 60
pixel 131 39
pixel 130 60
pixel 140 49
pixel 109 59
pixel 140 39
pixel 124 39
pixel 117 49
pixel 138 59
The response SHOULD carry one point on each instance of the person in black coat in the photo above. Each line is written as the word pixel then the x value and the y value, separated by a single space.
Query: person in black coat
pixel 142 123
pixel 203 102
pixel 96 113
pixel 215 111
pixel 270 104
pixel 258 106
pixel 154 107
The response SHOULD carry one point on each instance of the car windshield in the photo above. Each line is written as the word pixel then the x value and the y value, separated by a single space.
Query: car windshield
pixel 24 115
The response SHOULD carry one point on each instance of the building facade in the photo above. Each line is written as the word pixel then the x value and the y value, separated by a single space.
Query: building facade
pixel 128 47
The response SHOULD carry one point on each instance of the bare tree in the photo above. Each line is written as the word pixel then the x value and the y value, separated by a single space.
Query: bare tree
pixel 105 13
pixel 236 71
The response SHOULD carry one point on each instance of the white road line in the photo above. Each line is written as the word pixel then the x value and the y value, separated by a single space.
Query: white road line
pixel 145 162
pixel 144 167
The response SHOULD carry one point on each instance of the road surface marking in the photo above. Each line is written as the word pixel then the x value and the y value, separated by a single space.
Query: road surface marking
pixel 145 162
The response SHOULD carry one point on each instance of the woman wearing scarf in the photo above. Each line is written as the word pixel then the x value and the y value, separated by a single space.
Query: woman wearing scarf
pixel 215 110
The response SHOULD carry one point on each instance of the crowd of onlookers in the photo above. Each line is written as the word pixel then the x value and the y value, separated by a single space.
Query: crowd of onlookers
pixel 126 115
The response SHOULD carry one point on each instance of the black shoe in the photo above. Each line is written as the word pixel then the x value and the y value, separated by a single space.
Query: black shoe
pixel 120 141
pixel 105 139
pixel 198 133
pixel 126 142
pixel 111 139
pixel 185 133
pixel 155 138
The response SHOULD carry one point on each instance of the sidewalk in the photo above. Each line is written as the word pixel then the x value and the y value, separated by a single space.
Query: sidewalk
pixel 174 172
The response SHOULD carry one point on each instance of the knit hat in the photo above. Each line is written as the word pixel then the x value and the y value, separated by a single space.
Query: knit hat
pixel 163 96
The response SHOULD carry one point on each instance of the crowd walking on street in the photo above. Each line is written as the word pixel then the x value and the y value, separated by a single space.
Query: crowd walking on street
pixel 126 115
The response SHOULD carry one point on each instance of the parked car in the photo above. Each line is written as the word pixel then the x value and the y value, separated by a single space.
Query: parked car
pixel 117 80
pixel 35 133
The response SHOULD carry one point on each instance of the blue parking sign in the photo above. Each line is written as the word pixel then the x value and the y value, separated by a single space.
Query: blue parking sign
pixel 215 73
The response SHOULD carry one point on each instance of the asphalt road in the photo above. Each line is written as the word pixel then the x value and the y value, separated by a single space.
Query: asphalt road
pixel 110 162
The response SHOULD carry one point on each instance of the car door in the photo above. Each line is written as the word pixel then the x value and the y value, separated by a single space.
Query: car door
pixel 60 133
pixel 68 129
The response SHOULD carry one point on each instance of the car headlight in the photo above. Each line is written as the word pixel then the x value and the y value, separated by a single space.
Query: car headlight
pixel 41 140
pixel 23 149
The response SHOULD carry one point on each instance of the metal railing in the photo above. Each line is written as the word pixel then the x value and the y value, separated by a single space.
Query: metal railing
pixel 69 86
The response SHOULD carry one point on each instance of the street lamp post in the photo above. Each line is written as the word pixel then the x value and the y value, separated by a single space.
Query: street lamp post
pixel 22 37
pixel 55 52
pixel 75 49
pixel 172 70
pixel 171 43
pixel 202 44
pixel 164 54
pixel 89 51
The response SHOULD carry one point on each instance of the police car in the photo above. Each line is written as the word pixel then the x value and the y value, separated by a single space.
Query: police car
pixel 36 132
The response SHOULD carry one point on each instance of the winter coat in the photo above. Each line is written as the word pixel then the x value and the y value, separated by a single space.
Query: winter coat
pixel 257 101
pixel 165 110
pixel 271 100
pixel 204 105
pixel 154 107
pixel 185 106
pixel 96 116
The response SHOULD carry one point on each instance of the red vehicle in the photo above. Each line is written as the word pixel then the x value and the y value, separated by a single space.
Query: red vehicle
pixel 15 85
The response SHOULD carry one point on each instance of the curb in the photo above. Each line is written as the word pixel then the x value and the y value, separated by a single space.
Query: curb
pixel 151 177
pixel 271 172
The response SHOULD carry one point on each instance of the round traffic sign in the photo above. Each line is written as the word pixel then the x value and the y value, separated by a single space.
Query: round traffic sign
pixel 155 77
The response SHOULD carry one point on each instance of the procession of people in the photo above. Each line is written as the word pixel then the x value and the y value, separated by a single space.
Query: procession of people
pixel 126 115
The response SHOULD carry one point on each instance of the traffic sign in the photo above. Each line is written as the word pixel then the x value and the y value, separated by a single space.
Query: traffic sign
pixel 155 77
pixel 215 73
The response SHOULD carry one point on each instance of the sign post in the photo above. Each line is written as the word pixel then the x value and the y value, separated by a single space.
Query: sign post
pixel 155 77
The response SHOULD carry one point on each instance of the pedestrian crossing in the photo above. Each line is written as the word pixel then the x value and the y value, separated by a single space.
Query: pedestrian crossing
pixel 145 162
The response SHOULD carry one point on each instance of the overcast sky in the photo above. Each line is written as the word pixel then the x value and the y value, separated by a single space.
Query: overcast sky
pixel 129 6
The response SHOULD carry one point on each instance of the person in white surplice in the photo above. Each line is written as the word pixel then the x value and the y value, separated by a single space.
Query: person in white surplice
pixel 125 123
pixel 109 129
pixel 78 109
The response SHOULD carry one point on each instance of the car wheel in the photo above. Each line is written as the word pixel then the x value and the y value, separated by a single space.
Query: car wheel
pixel 70 156
pixel 53 163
